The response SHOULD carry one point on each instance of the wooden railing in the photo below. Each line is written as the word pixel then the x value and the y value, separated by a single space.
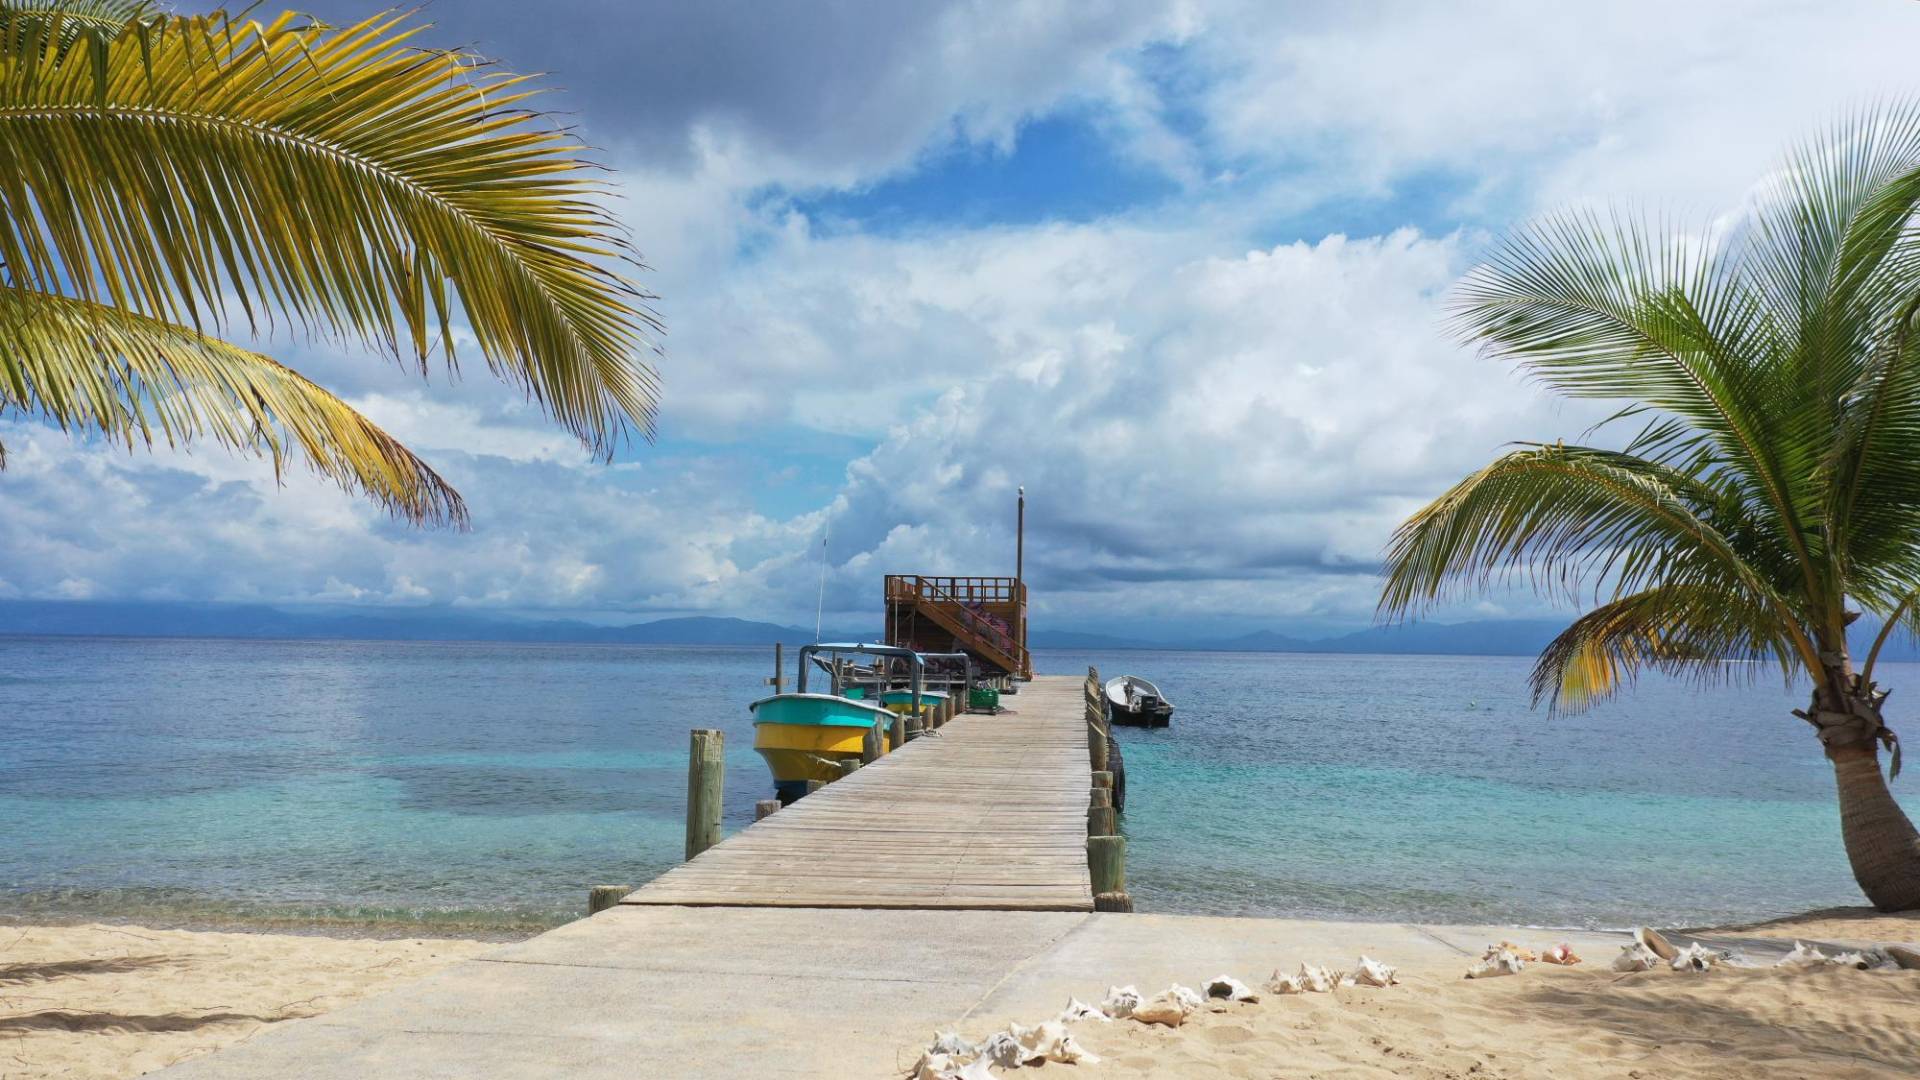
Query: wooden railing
pixel 967 590
pixel 960 599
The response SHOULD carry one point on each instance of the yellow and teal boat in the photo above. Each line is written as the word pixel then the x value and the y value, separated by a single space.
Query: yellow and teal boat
pixel 805 736
pixel 931 703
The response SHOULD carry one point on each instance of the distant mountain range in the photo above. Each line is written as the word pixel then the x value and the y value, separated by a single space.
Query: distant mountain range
pixel 1519 637
pixel 1490 637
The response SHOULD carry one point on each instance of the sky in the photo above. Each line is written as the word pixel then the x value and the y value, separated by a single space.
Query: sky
pixel 1180 269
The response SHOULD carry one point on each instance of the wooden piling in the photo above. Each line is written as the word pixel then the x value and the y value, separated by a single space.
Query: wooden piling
pixel 706 781
pixel 602 897
pixel 1107 866
pixel 779 667
pixel 848 766
pixel 765 808
pixel 1103 779
pixel 899 733
pixel 916 727
pixel 815 785
pixel 1100 797
pixel 1107 863
pixel 1102 821
pixel 872 744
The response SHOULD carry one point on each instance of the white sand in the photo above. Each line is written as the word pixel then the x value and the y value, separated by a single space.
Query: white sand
pixel 118 1001
pixel 1581 1023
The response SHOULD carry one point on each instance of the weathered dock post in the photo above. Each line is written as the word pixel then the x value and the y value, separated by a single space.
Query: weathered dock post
pixel 1096 722
pixel 848 766
pixel 872 744
pixel 899 733
pixel 1107 865
pixel 706 782
pixel 1102 821
pixel 779 667
pixel 765 808
pixel 602 897
pixel 815 785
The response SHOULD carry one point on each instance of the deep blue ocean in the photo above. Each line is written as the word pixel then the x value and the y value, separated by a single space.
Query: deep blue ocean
pixel 486 786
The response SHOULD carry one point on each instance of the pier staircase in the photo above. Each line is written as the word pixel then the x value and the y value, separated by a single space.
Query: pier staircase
pixel 984 616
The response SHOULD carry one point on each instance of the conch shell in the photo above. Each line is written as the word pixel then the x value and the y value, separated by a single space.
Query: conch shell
pixel 1121 1001
pixel 1695 957
pixel 1561 954
pixel 1226 986
pixel 1520 951
pixel 1372 972
pixel 1080 1010
pixel 1803 956
pixel 1285 984
pixel 1050 1041
pixel 1497 961
pixel 932 1066
pixel 1166 1007
pixel 1003 1049
pixel 1651 940
pixel 1318 980
pixel 950 1044
pixel 977 1069
pixel 1636 957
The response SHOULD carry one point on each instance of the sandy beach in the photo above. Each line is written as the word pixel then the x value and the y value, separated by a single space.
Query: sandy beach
pixel 1581 1022
pixel 102 1001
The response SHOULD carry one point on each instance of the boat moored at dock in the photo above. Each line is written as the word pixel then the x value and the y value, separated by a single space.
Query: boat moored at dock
pixel 1135 702
pixel 805 736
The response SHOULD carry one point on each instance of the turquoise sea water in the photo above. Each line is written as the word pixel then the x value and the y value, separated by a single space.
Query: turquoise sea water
pixel 485 786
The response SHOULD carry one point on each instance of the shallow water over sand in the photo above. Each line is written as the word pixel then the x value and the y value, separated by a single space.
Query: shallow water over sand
pixel 487 785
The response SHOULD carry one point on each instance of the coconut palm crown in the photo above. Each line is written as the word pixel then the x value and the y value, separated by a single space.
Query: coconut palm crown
pixel 1767 490
pixel 165 179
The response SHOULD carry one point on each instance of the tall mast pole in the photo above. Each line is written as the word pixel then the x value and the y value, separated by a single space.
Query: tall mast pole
pixel 1020 538
pixel 1020 568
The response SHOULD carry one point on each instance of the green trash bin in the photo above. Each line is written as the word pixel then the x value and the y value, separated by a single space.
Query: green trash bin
pixel 984 697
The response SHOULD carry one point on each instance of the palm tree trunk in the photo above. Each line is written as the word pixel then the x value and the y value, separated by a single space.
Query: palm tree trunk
pixel 1882 844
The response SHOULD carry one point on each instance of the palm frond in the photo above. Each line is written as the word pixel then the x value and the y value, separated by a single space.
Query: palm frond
pixel 140 381
pixel 1707 633
pixel 1565 516
pixel 1656 316
pixel 207 169
pixel 68 19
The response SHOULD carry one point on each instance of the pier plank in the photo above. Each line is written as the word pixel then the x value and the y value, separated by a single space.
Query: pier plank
pixel 987 813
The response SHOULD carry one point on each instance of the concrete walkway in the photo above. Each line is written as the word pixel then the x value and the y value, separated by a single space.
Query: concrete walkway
pixel 643 991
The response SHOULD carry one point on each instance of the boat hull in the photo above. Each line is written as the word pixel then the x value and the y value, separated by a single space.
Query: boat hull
pixel 805 737
pixel 933 704
pixel 1151 716
pixel 1135 702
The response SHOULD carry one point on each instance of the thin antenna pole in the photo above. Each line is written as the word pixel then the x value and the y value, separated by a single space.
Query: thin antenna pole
pixel 1020 538
pixel 820 608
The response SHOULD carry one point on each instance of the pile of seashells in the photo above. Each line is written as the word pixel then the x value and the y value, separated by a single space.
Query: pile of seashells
pixel 950 1057
pixel 1650 950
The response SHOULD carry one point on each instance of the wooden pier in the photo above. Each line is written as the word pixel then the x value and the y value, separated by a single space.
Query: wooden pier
pixel 987 813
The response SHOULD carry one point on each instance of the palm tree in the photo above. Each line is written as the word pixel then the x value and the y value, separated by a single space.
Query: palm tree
pixel 166 178
pixel 1771 491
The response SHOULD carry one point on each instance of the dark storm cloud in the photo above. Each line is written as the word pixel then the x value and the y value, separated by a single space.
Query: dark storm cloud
pixel 839 86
